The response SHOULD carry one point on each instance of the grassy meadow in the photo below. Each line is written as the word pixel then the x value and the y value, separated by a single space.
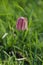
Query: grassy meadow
pixel 21 47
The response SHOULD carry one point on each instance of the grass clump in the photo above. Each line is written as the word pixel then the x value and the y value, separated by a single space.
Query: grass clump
pixel 15 44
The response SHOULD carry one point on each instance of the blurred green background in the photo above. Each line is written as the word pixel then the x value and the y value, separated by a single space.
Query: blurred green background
pixel 27 43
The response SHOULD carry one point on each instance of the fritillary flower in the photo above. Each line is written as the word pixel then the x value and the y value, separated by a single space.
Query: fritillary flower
pixel 22 23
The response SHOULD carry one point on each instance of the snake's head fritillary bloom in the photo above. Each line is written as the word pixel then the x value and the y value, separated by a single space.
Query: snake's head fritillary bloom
pixel 22 23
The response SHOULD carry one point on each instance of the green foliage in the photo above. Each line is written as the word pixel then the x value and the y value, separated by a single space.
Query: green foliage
pixel 27 43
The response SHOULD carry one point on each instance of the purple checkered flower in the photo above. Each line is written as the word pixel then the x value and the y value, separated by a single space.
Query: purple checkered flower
pixel 22 23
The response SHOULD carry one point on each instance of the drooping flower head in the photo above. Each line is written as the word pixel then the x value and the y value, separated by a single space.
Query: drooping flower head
pixel 22 23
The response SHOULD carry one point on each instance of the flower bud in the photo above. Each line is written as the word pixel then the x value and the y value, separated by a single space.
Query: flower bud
pixel 22 23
